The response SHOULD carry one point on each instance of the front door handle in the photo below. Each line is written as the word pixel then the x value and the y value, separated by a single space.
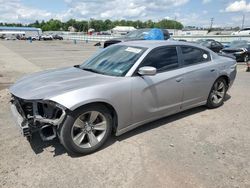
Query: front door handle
pixel 179 79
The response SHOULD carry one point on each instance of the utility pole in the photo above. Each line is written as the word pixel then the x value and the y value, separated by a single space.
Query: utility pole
pixel 88 28
pixel 211 23
pixel 243 21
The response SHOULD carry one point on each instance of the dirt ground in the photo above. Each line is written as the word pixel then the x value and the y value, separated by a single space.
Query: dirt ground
pixel 195 148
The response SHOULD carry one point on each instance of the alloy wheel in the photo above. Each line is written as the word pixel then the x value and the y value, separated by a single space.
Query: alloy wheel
pixel 89 129
pixel 218 92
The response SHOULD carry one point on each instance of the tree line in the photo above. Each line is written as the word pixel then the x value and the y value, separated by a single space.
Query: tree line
pixel 98 25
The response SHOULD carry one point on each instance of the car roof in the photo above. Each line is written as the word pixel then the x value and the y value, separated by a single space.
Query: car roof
pixel 150 44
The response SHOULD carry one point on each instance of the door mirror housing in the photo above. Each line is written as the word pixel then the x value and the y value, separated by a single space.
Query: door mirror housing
pixel 147 71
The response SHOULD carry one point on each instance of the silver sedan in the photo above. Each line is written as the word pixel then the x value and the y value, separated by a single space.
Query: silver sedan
pixel 120 88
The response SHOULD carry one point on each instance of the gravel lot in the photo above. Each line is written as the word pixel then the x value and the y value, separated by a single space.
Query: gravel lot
pixel 195 148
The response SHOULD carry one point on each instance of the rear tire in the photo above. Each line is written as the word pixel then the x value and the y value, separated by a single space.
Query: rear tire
pixel 85 130
pixel 217 94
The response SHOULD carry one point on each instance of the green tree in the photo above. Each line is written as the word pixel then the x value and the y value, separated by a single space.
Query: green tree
pixel 98 25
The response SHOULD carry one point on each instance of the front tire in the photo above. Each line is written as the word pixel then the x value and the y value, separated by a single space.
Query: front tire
pixel 217 94
pixel 85 130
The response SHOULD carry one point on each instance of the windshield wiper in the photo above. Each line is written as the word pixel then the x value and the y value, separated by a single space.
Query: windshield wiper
pixel 92 70
pixel 88 69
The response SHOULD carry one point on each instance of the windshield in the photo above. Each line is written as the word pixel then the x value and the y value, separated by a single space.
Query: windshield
pixel 138 34
pixel 239 44
pixel 115 60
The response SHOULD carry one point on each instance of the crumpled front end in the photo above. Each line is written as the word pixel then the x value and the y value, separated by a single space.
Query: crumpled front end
pixel 37 116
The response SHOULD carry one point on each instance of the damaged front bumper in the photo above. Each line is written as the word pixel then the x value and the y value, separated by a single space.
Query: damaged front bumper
pixel 21 122
pixel 37 116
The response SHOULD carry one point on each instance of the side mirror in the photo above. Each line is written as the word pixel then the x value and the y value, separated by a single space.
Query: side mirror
pixel 147 71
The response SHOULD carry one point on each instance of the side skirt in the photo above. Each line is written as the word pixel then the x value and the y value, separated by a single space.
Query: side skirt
pixel 133 126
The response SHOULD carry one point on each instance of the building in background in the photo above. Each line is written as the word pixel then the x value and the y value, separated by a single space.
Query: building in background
pixel 71 29
pixel 122 30
pixel 24 31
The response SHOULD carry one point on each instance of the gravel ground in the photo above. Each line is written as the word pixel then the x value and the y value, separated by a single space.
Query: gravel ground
pixel 195 148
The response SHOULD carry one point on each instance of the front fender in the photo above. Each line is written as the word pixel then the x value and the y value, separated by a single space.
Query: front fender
pixel 117 95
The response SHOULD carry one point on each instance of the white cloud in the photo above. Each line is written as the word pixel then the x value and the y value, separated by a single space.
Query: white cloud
pixel 119 9
pixel 238 6
pixel 16 11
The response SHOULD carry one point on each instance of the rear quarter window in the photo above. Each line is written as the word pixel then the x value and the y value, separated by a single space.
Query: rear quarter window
pixel 192 55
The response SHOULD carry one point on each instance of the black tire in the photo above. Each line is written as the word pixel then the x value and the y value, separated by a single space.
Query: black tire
pixel 246 58
pixel 210 102
pixel 65 130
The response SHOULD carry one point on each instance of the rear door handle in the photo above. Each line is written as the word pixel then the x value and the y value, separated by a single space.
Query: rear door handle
pixel 179 79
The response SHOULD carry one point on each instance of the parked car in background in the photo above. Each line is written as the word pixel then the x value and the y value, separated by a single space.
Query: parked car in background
pixel 2 36
pixel 57 37
pixel 245 31
pixel 120 88
pixel 203 40
pixel 103 33
pixel 240 49
pixel 10 37
pixel 138 34
pixel 33 38
pixel 46 37
pixel 213 45
pixel 21 37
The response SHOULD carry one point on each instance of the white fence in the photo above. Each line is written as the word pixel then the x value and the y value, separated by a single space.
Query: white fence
pixel 95 38
pixel 101 38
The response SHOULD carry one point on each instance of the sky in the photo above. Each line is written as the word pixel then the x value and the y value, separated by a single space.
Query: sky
pixel 226 13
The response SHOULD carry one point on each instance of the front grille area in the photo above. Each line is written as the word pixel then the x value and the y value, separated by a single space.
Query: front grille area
pixel 37 116
pixel 27 108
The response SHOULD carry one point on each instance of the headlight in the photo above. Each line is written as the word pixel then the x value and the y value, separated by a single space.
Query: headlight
pixel 52 103
pixel 241 52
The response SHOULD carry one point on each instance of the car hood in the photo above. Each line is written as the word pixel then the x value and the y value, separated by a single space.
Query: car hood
pixel 47 84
